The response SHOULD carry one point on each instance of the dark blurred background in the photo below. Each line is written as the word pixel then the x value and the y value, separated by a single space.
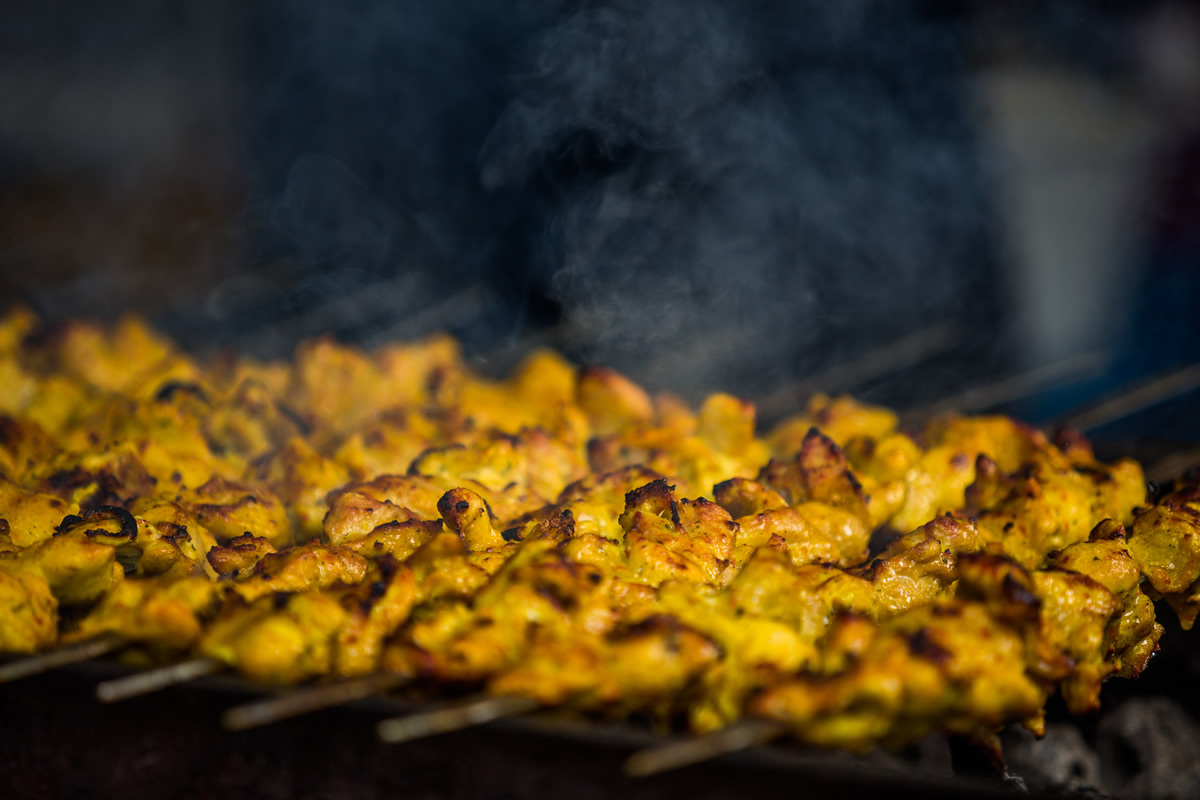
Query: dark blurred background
pixel 907 200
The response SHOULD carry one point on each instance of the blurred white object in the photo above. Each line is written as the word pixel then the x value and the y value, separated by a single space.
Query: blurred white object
pixel 1071 158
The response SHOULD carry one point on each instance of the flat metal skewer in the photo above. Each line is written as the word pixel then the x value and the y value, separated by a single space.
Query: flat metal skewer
pixel 739 736
pixel 466 714
pixel 70 654
pixel 304 701
pixel 152 680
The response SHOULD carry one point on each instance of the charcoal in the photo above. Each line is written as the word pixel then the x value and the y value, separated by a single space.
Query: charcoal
pixel 1149 748
pixel 1061 763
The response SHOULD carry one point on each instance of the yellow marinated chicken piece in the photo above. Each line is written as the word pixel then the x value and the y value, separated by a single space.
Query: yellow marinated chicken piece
pixel 811 533
pixel 335 388
pixel 647 665
pixel 25 448
pixel 156 538
pixel 169 538
pixel 909 486
pixel 113 360
pixel 537 590
pixel 357 509
pixel 254 419
pixel 396 539
pixel 278 638
pixel 375 609
pixel 16 324
pixel 166 434
pixel 1076 612
pixel 238 557
pixel 541 588
pixel 821 486
pixel 111 474
pixel 921 568
pixel 431 625
pixel 841 418
pixel 229 509
pixel 469 516
pixel 77 568
pixel 718 444
pixel 302 478
pixel 305 568
pixel 1105 559
pixel 610 401
pixel 59 404
pixel 1051 504
pixel 424 373
pixel 1006 441
pixel 165 613
pixel 28 610
pixel 516 473
pixel 608 490
pixel 388 445
pixel 540 393
pixel 666 539
pixel 1164 541
pixel 768 624
pixel 18 387
pixel 951 666
pixel 32 517
pixel 445 569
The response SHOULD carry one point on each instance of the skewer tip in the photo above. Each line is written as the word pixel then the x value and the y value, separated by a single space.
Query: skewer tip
pixel 304 701
pixel 71 654
pixel 153 680
pixel 466 714
pixel 739 736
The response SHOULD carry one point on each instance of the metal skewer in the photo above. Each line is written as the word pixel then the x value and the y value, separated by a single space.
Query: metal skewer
pixel 739 736
pixel 904 353
pixel 1174 465
pixel 71 654
pixel 1014 387
pixel 466 714
pixel 1139 397
pixel 303 701
pixel 153 680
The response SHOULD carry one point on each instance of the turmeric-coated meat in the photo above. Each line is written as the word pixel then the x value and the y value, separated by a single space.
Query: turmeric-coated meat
pixel 562 534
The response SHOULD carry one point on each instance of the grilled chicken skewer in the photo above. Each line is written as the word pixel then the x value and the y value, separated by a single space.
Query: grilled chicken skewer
pixel 520 525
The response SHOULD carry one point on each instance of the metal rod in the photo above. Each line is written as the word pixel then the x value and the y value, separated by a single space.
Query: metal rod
pixel 467 714
pixel 1139 397
pixel 303 701
pixel 1014 387
pixel 1174 465
pixel 908 351
pixel 70 654
pixel 739 736
pixel 153 680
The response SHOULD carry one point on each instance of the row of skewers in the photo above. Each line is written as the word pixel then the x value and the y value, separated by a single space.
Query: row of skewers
pixel 535 538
